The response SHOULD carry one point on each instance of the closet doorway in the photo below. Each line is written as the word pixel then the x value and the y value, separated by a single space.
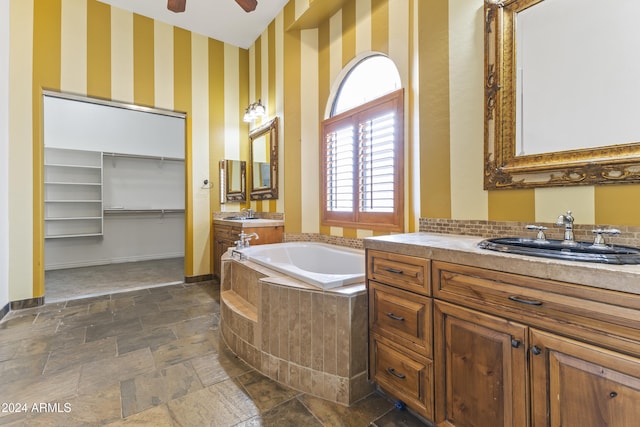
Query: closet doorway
pixel 114 197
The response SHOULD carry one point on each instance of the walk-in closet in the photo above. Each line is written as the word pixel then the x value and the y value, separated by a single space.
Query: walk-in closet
pixel 114 197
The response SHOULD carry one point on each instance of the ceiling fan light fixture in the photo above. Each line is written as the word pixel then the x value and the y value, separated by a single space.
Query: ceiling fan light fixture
pixel 176 6
pixel 248 5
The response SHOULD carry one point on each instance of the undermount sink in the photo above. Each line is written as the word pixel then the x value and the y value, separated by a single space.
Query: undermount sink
pixel 577 251
pixel 238 218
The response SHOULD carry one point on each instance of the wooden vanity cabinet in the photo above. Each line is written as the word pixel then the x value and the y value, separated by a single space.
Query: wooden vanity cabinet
pixel 400 328
pixel 466 346
pixel 225 236
pixel 512 350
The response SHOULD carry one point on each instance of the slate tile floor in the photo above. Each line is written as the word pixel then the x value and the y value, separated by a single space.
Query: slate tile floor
pixel 70 283
pixel 150 357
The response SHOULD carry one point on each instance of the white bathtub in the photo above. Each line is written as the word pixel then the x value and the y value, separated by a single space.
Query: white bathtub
pixel 319 264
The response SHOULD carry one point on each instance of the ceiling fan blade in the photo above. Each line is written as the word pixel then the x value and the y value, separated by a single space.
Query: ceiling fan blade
pixel 176 5
pixel 248 5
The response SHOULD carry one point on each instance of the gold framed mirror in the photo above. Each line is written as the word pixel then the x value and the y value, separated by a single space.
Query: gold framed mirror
pixel 513 28
pixel 233 181
pixel 263 147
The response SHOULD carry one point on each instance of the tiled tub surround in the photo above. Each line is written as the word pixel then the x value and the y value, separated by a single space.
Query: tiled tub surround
pixel 311 340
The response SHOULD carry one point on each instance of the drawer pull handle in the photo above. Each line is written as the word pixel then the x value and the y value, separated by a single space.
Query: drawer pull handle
pixel 396 374
pixel 394 317
pixel 524 301
pixel 394 271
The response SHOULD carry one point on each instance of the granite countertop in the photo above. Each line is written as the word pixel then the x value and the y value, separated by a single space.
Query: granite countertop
pixel 249 223
pixel 464 250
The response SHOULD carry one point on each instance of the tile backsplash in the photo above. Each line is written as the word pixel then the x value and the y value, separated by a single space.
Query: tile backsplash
pixel 629 235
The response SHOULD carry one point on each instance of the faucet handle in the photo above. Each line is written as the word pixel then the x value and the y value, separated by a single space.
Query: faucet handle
pixel 599 240
pixel 540 228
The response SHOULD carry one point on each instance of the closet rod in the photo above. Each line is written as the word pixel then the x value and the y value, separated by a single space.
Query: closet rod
pixel 142 211
pixel 140 156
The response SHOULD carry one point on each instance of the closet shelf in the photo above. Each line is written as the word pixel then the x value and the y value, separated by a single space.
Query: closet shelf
pixel 74 218
pixel 62 236
pixel 61 165
pixel 140 156
pixel 73 201
pixel 72 183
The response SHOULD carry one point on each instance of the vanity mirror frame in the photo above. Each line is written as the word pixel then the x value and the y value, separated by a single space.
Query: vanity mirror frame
pixel 503 169
pixel 269 129
pixel 229 194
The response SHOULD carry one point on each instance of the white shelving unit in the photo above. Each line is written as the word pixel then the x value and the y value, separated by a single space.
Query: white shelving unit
pixel 72 193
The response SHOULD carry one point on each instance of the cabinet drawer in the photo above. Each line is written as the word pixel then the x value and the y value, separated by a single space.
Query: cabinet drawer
pixel 403 271
pixel 402 374
pixel 607 318
pixel 222 232
pixel 401 316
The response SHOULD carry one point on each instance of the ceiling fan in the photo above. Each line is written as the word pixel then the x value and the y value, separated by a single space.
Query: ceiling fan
pixel 178 6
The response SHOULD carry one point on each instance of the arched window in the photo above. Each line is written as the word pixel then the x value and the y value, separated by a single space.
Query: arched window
pixel 369 79
pixel 363 149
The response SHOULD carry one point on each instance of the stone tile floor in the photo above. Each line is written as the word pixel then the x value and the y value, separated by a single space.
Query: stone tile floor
pixel 71 283
pixel 150 357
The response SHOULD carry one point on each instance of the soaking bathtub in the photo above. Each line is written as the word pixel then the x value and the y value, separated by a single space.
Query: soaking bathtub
pixel 322 265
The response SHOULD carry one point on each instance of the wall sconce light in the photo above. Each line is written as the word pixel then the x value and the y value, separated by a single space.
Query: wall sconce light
pixel 254 111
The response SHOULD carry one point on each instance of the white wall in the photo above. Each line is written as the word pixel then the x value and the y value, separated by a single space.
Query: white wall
pixel 86 126
pixel 4 153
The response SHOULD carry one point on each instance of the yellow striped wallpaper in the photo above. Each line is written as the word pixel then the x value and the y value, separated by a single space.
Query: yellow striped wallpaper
pixel 90 48
pixel 438 51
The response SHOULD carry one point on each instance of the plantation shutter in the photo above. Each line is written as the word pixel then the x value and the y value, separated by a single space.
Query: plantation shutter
pixel 376 145
pixel 340 146
pixel 362 165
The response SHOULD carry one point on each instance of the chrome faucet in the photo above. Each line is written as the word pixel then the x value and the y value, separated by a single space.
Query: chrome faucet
pixel 248 213
pixel 248 238
pixel 566 221
pixel 245 239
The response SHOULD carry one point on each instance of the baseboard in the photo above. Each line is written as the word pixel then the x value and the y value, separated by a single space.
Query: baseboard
pixel 27 303
pixel 201 278
pixel 121 260
pixel 5 310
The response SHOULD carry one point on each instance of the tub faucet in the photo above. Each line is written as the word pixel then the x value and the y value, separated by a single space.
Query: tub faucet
pixel 566 221
pixel 245 239
pixel 248 237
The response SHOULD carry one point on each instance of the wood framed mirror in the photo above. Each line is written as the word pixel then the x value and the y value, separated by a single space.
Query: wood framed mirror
pixel 233 180
pixel 263 146
pixel 561 93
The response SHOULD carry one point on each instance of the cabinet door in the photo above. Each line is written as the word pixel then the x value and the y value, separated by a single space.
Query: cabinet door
pixel 223 238
pixel 480 369
pixel 580 385
pixel 266 235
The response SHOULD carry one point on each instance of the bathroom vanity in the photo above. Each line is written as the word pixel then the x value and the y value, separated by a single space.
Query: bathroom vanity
pixel 226 232
pixel 466 336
